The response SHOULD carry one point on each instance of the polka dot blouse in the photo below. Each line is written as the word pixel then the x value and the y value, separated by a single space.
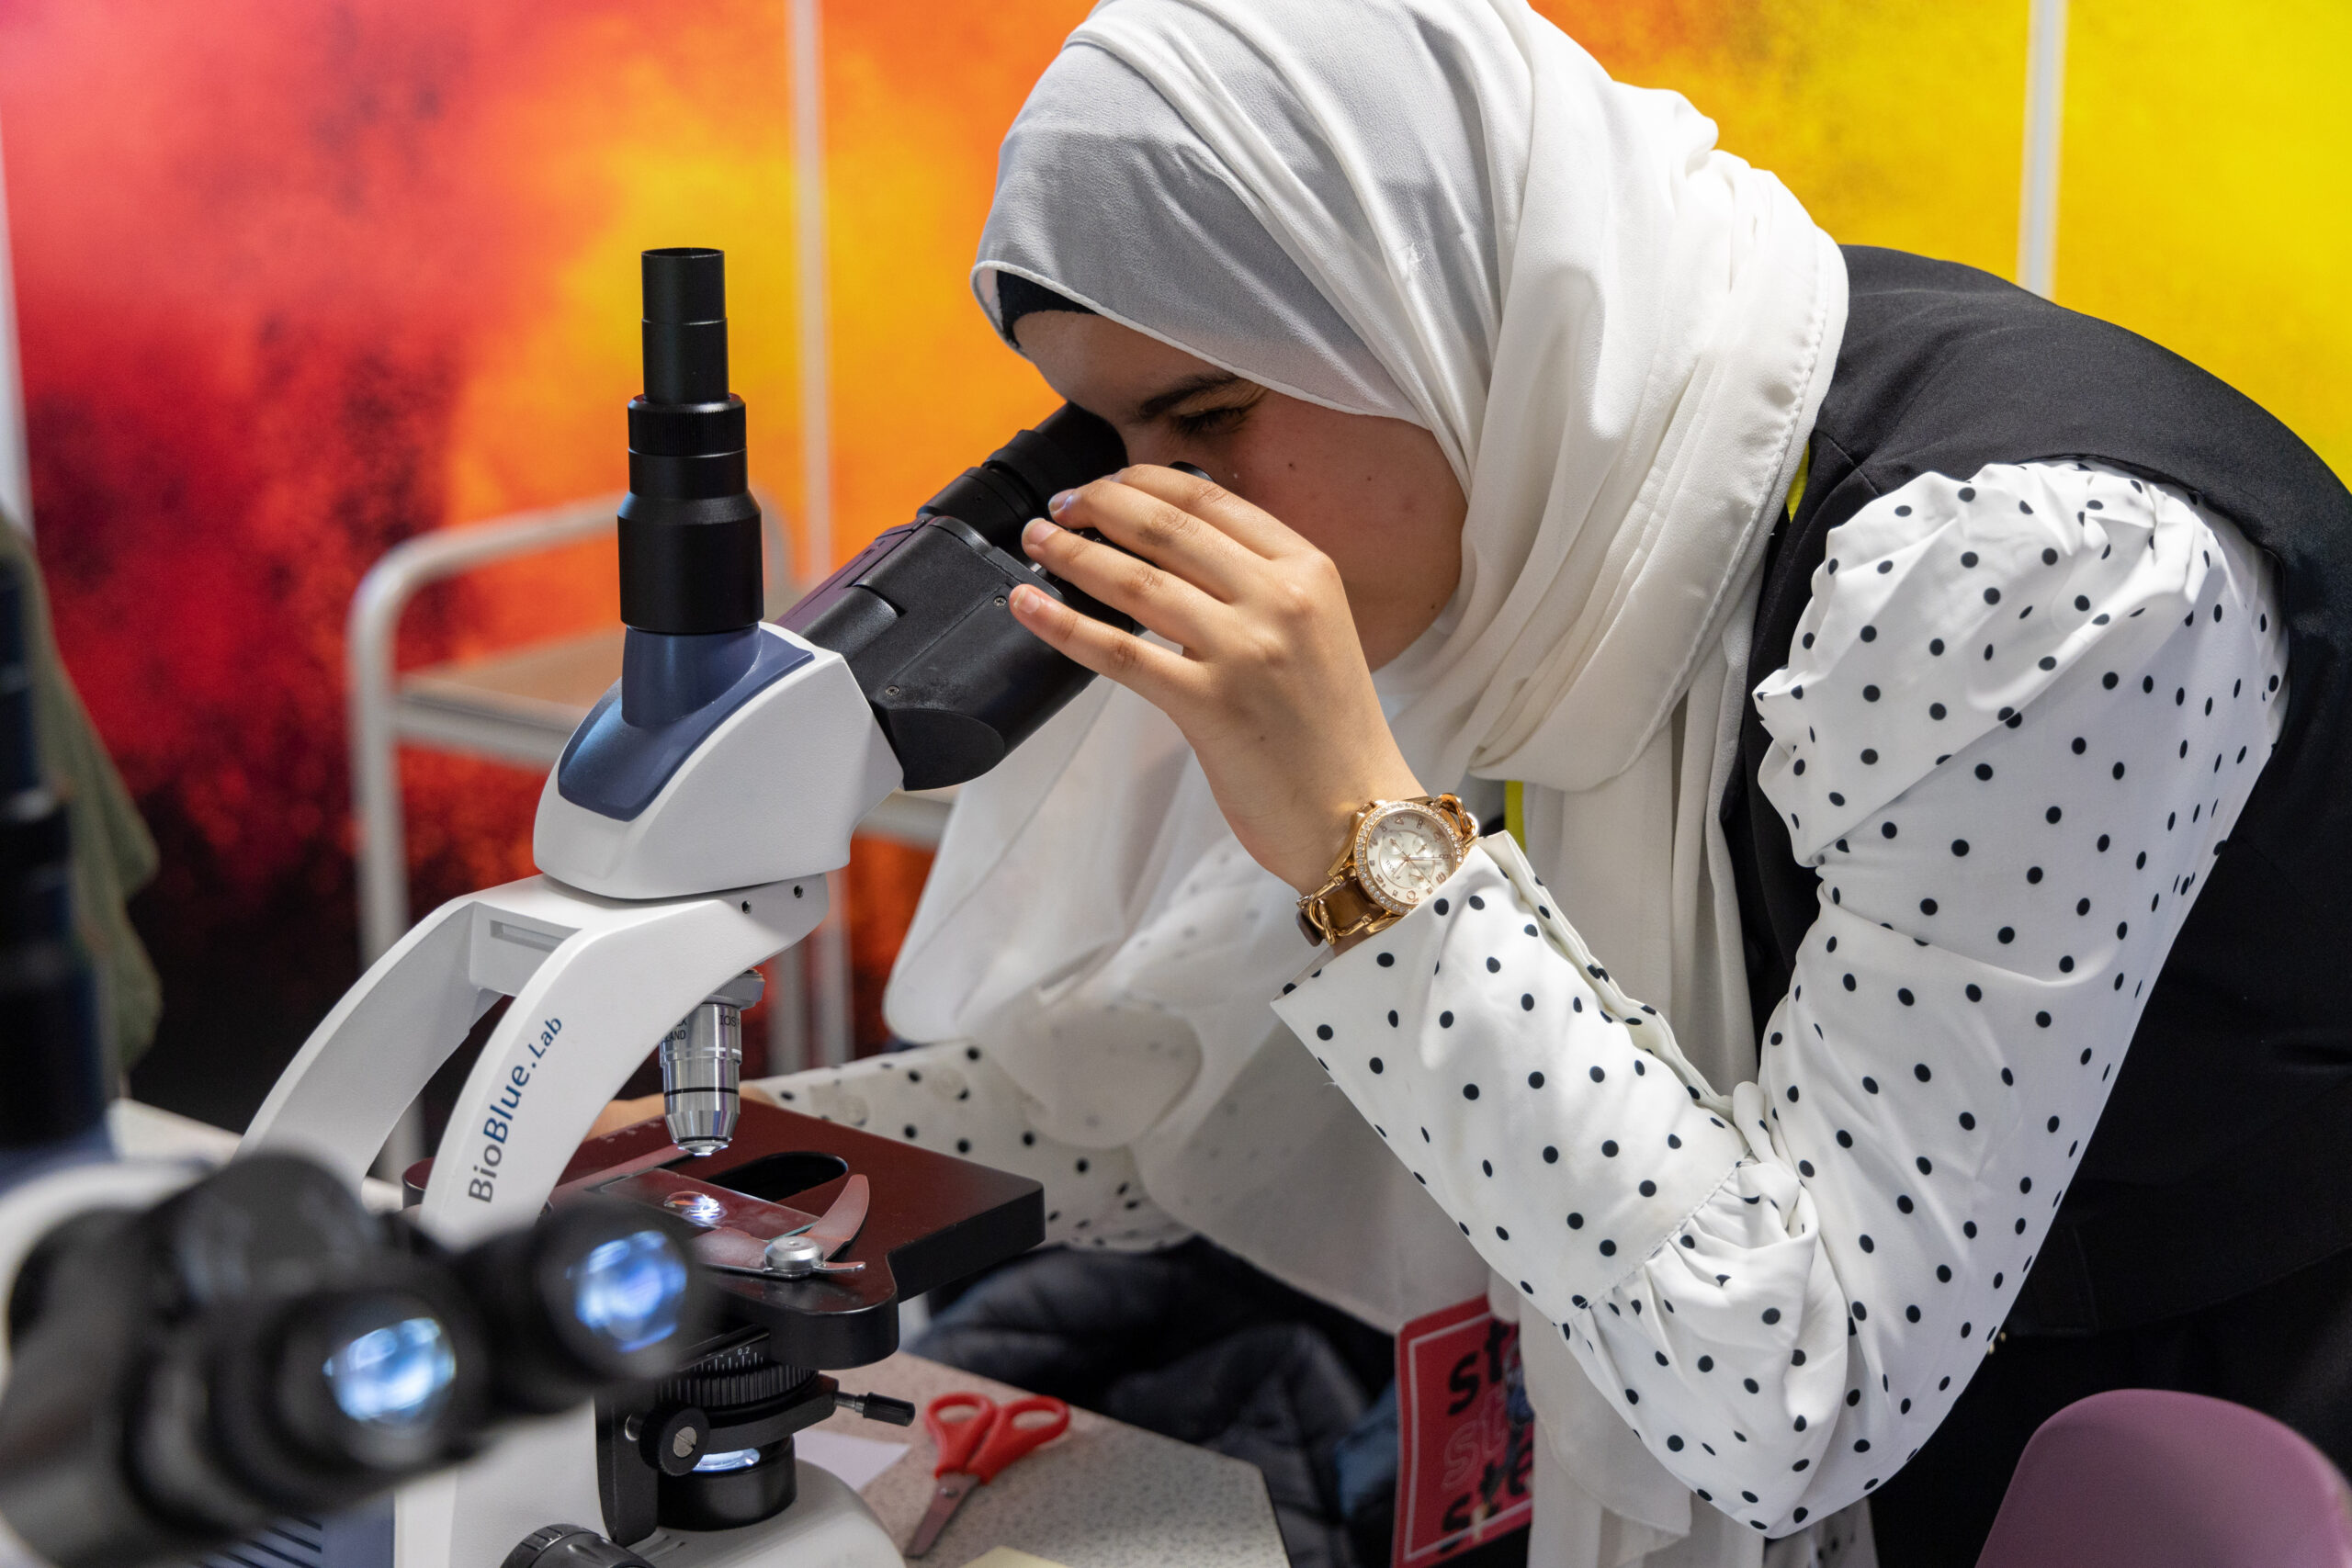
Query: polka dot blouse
pixel 955 1100
pixel 2018 717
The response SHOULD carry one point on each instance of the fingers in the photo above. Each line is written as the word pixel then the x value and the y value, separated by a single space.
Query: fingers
pixel 1202 550
pixel 1160 533
pixel 1162 600
pixel 1179 572
pixel 1258 531
pixel 1163 679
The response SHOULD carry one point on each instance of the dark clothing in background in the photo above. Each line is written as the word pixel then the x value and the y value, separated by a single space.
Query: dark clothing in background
pixel 113 856
pixel 1192 1343
pixel 1196 1345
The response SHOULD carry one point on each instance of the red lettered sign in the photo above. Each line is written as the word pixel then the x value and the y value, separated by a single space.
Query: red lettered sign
pixel 1465 1431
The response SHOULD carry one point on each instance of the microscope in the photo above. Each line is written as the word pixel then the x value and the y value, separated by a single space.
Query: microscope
pixel 682 839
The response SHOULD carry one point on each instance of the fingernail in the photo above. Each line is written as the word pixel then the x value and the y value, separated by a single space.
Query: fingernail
pixel 1061 500
pixel 1035 531
pixel 1025 598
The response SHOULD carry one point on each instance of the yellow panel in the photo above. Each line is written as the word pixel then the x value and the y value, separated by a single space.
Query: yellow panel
pixel 1895 124
pixel 2203 197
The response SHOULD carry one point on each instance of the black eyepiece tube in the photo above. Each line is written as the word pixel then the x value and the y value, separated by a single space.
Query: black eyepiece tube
pixel 690 530
pixel 1069 448
pixel 924 614
pixel 685 326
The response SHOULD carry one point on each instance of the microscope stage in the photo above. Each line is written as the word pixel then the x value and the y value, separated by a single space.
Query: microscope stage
pixel 931 1220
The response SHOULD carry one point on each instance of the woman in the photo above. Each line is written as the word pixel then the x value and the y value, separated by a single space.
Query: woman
pixel 1868 660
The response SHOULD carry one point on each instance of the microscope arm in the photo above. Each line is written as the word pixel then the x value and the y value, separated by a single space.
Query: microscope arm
pixel 597 982
pixel 638 919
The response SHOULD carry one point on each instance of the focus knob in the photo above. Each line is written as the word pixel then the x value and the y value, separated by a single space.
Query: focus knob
pixel 571 1546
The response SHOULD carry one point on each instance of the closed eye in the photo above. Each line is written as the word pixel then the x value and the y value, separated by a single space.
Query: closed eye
pixel 1221 418
pixel 1204 422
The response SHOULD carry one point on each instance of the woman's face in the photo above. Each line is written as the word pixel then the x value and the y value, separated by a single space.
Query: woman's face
pixel 1376 495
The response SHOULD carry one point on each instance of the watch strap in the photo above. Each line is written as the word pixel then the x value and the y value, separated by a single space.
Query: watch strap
pixel 1341 909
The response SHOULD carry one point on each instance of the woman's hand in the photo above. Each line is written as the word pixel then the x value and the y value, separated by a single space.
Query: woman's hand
pixel 1271 687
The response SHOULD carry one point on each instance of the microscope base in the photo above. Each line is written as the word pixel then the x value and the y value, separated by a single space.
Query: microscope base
pixel 828 1526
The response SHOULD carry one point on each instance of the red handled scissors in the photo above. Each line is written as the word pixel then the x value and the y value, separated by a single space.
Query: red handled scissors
pixel 977 1438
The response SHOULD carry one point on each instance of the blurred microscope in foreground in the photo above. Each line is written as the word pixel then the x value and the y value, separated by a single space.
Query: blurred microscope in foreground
pixel 258 1347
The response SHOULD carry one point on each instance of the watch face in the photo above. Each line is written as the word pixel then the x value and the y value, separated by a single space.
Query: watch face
pixel 1404 854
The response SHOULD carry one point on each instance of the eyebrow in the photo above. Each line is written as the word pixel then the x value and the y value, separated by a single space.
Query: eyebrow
pixel 1184 391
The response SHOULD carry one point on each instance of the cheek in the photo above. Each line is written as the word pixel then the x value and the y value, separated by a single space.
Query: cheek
pixel 1341 507
pixel 1327 503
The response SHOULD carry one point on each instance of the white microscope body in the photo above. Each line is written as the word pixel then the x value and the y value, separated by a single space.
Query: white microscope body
pixel 683 837
pixel 602 953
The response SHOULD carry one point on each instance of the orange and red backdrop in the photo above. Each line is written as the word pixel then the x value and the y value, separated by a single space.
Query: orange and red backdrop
pixel 298 279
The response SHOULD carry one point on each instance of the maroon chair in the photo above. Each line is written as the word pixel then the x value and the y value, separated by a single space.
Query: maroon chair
pixel 2142 1478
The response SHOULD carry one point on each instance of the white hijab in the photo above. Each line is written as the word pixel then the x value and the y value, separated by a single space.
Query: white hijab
pixel 1445 212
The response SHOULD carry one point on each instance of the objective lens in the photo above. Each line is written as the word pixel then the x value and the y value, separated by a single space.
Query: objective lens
pixel 733 1459
pixel 630 1290
pixel 702 1071
pixel 394 1375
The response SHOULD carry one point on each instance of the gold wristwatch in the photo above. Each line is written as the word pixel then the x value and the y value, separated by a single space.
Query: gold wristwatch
pixel 1397 853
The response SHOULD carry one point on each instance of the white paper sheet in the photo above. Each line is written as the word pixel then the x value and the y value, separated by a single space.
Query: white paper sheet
pixel 856 1461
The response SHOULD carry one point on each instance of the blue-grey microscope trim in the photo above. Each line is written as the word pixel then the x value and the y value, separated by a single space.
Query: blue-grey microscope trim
pixel 673 692
pixel 689 554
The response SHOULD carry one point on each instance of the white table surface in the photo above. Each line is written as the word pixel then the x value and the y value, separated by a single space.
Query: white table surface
pixel 1105 1495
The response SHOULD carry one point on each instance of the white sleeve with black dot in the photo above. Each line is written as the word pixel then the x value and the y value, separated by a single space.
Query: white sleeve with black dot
pixel 952 1099
pixel 2020 714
